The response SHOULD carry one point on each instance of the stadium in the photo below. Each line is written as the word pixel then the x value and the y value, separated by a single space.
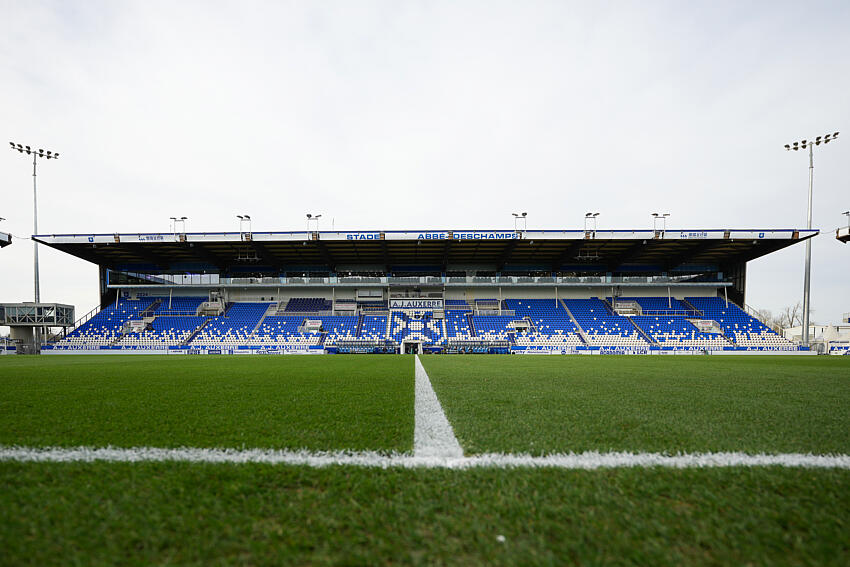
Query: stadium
pixel 394 368
pixel 414 292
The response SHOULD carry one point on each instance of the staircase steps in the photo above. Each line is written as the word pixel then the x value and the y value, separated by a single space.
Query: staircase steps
pixel 359 325
pixel 472 331
pixel 643 333
pixel 150 309
pixel 581 332
pixel 272 310
pixel 687 304
pixel 195 332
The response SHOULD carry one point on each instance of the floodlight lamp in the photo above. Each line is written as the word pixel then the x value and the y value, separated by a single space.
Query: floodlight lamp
pixel 28 148
pixel 309 216
pixel 56 156
pixel 787 147
pixel 524 214
pixel 41 151
pixel 183 218
pixel 247 217
pixel 835 135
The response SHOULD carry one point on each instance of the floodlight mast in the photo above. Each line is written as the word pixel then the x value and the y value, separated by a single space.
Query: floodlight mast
pixel 590 219
pixel 807 278
pixel 40 153
pixel 313 218
pixel 523 217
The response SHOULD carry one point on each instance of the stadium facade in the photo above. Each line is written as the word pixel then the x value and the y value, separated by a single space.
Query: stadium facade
pixel 441 291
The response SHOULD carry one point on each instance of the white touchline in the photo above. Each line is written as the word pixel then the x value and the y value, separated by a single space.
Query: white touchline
pixel 433 436
pixel 573 461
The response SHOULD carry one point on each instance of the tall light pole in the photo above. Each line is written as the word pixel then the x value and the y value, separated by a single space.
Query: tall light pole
pixel 313 218
pixel 40 153
pixel 174 221
pixel 808 275
pixel 590 218
pixel 244 220
pixel 663 218
pixel 517 217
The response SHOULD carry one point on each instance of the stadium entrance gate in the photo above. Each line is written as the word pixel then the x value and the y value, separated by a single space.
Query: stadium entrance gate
pixel 411 347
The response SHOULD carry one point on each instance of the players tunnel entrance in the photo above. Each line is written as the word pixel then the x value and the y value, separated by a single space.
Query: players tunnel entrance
pixel 411 347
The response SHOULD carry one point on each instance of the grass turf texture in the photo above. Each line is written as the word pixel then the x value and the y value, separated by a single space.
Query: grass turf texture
pixel 146 514
pixel 312 402
pixel 545 404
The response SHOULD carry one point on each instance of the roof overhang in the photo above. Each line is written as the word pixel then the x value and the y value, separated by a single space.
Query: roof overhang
pixel 502 250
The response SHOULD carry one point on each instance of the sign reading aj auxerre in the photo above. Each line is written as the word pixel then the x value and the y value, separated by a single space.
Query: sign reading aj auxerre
pixel 416 303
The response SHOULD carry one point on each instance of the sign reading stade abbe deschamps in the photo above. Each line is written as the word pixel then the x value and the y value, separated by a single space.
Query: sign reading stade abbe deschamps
pixel 435 235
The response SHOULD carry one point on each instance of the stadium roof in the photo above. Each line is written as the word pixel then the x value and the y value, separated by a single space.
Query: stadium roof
pixel 270 252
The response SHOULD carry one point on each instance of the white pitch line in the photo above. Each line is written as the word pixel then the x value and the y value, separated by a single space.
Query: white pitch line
pixel 368 459
pixel 433 436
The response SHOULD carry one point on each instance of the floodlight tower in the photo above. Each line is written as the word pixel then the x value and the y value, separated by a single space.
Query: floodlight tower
pixel 313 218
pixel 590 220
pixel 808 275
pixel 523 217
pixel 660 217
pixel 40 153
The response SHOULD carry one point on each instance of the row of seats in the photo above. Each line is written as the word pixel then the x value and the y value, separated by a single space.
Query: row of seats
pixel 308 305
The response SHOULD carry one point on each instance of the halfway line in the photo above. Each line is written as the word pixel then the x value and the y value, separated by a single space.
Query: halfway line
pixel 433 436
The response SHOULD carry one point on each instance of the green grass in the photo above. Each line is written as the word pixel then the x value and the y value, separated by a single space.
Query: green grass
pixel 313 402
pixel 544 404
pixel 149 514
pixel 204 514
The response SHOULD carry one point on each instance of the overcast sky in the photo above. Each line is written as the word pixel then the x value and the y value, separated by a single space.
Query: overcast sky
pixel 409 115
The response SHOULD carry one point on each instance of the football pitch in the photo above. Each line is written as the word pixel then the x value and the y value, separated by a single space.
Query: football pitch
pixel 467 460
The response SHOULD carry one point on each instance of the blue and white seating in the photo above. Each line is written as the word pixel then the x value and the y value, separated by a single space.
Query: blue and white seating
pixel 233 328
pixel 415 325
pixel 283 330
pixel 374 328
pixel 164 332
pixel 745 330
pixel 603 328
pixel 106 326
pixel 552 326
